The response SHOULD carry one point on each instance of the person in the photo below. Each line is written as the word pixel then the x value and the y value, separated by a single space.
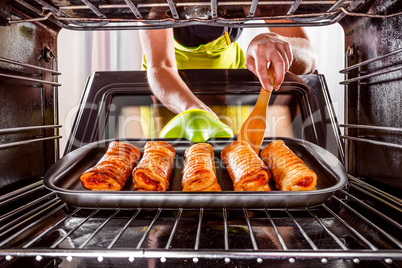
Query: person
pixel 192 47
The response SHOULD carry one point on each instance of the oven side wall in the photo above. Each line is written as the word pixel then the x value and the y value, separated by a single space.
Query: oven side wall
pixel 23 103
pixel 375 101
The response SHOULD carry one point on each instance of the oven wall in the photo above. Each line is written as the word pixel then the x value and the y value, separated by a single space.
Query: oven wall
pixel 24 104
pixel 375 101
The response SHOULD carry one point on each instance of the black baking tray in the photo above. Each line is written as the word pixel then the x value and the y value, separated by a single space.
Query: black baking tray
pixel 63 178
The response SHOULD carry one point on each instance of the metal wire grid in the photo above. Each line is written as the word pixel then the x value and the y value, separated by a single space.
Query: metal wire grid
pixel 335 11
pixel 360 79
pixel 87 230
pixel 36 82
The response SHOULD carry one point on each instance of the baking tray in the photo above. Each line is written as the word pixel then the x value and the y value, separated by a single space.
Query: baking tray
pixel 63 178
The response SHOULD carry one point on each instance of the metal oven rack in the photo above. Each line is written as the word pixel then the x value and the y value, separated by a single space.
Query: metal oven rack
pixel 358 224
pixel 116 15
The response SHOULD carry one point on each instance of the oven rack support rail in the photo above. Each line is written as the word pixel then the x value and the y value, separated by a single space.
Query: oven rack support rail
pixel 38 81
pixel 22 221
pixel 362 78
pixel 99 17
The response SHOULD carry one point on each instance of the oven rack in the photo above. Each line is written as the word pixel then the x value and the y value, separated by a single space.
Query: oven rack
pixel 350 227
pixel 158 14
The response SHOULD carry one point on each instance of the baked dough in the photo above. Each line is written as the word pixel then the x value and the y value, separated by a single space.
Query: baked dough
pixel 114 168
pixel 199 173
pixel 247 170
pixel 153 171
pixel 289 172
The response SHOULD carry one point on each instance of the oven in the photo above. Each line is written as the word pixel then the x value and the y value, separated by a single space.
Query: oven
pixel 356 225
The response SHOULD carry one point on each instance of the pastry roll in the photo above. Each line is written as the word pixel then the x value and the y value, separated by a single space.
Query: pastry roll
pixel 153 171
pixel 199 172
pixel 247 170
pixel 289 172
pixel 113 170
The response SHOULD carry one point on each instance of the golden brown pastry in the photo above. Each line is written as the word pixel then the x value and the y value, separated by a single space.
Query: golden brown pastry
pixel 113 170
pixel 199 172
pixel 289 172
pixel 247 170
pixel 153 171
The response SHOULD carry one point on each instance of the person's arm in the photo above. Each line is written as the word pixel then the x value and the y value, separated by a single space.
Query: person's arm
pixel 162 73
pixel 286 48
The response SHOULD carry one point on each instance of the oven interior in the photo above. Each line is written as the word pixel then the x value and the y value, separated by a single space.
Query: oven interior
pixel 360 225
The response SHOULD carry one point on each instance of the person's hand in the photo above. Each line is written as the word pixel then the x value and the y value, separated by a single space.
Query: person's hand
pixel 265 51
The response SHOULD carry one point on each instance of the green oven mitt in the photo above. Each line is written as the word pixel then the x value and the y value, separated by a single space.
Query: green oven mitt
pixel 195 125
